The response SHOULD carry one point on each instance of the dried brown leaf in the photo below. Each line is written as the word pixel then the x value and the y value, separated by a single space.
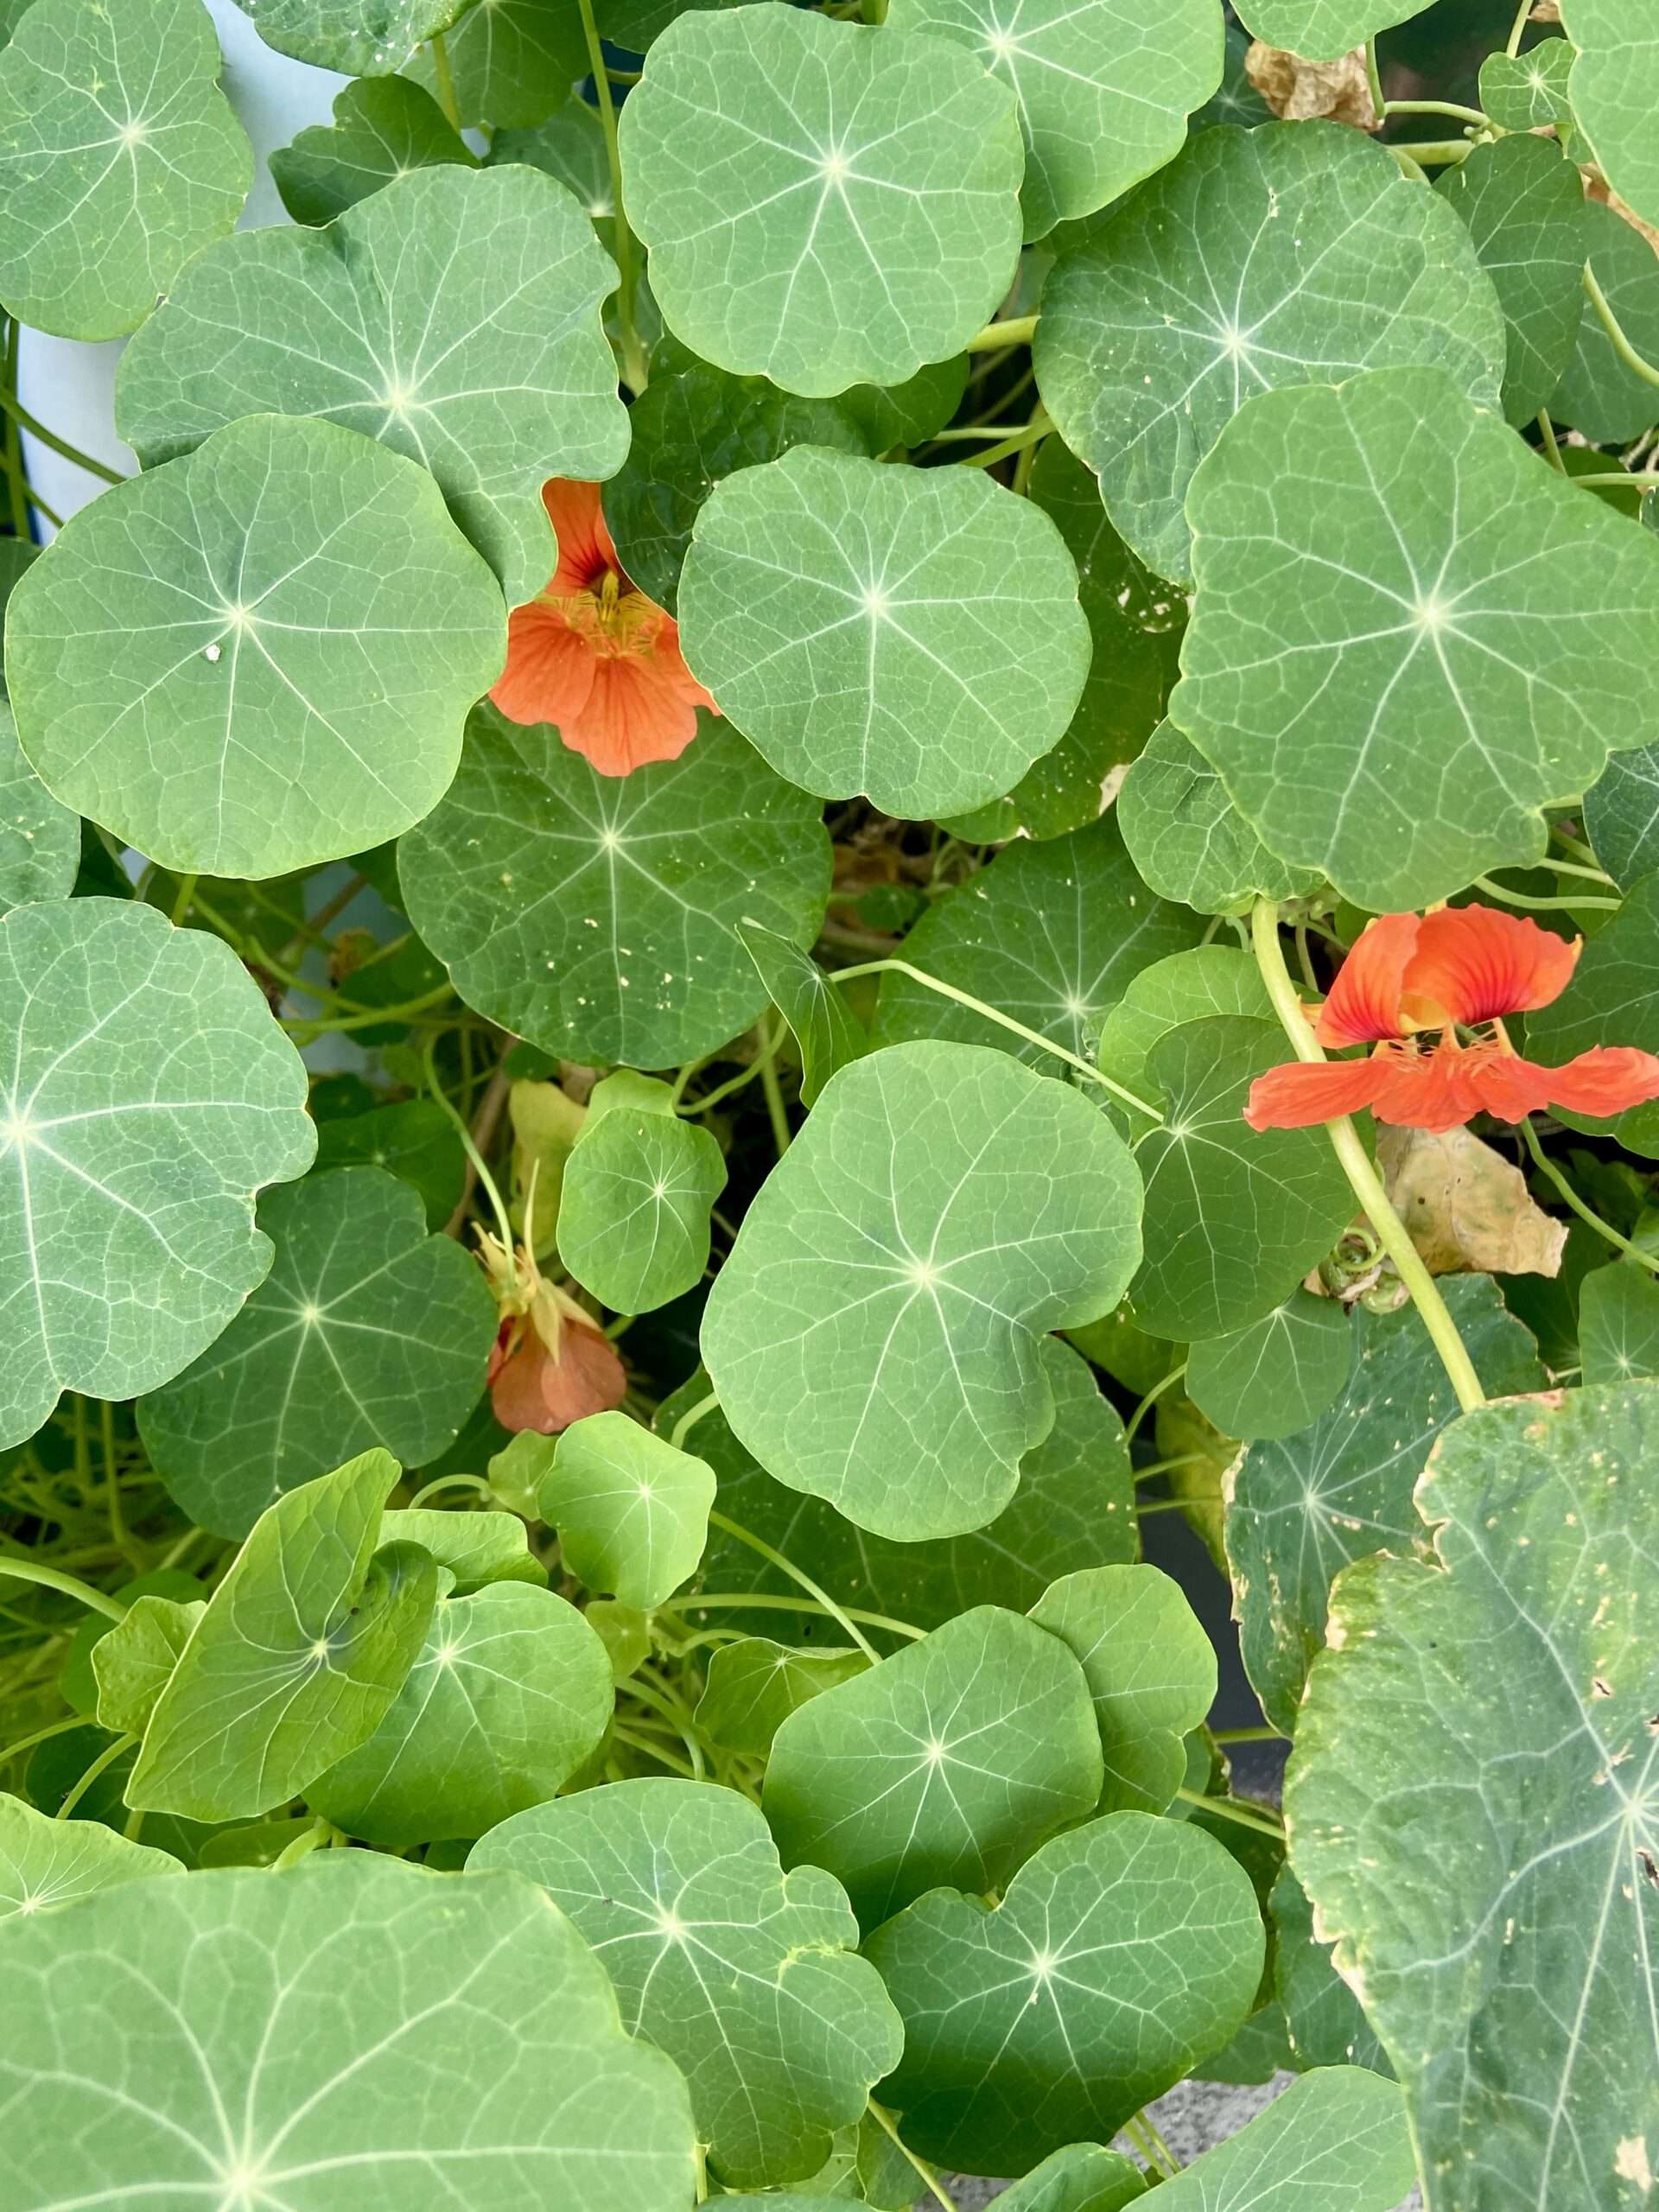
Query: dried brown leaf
pixel 1465 1205
pixel 1296 89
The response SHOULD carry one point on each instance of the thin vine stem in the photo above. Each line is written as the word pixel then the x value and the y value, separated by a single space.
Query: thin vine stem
pixel 480 1168
pixel 67 1585
pixel 1227 1810
pixel 1015 330
pixel 20 415
pixel 1637 364
pixel 1363 1178
pixel 934 2186
pixel 1471 116
pixel 1517 28
pixel 635 366
pixel 766 1602
pixel 106 1757
pixel 1032 434
pixel 1547 433
pixel 1586 1214
pixel 443 78
pixel 799 1576
pixel 1574 904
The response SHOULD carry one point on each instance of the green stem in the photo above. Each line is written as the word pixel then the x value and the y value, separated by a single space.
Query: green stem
pixel 450 1482
pixel 1263 1735
pixel 319 1832
pixel 40 1736
pixel 773 1091
pixel 1637 364
pixel 769 1044
pixel 1428 151
pixel 1373 78
pixel 664 1757
pixel 1641 479
pixel 930 2181
pixel 1592 1220
pixel 768 1602
pixel 1228 1810
pixel 680 1721
pixel 1449 108
pixel 1015 331
pixel 479 1169
pixel 1569 843
pixel 183 904
pixel 1517 28
pixel 443 77
pixel 689 1419
pixel 1574 904
pixel 50 1578
pixel 1167 1382
pixel 1146 2140
pixel 106 1757
pixel 20 415
pixel 1032 433
pixel 798 1576
pixel 1574 867
pixel 1002 1020
pixel 635 367
pixel 16 479
pixel 1547 432
pixel 1363 1178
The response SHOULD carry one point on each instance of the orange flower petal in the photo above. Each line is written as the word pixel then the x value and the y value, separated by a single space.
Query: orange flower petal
pixel 1303 1092
pixel 1605 1080
pixel 642 706
pixel 530 1389
pixel 549 670
pixel 1474 964
pixel 1434 1090
pixel 586 548
pixel 1364 1002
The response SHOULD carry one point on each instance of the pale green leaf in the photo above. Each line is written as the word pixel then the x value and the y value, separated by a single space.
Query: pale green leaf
pixel 305 1642
pixel 1083 2178
pixel 1234 1217
pixel 753 1687
pixel 1118 1957
pixel 1613 999
pixel 826 1033
pixel 570 147
pixel 383 128
pixel 947 1765
pixel 1187 839
pixel 452 316
pixel 151 1095
pixel 513 62
pixel 1299 1511
pixel 288 682
pixel 1322 30
pixel 1103 89
pixel 874 1336
pixel 634 1205
pixel 1195 295
pixel 363 38
pixel 1324 2024
pixel 1470 1804
pixel 1186 987
pixel 1467 596
pixel 1051 933
pixel 1277 1376
pixel 910 633
pixel 1335 2141
pixel 40 840
pixel 1617 43
pixel 477 1548
pixel 1621 815
pixel 119 158
pixel 595 916
pixel 366 1330
pixel 1618 1324
pixel 632 1510
pixel 45 1862
pixel 414 1140
pixel 1598 394
pixel 133 1663
pixel 741 1973
pixel 825 203
pixel 511 1693
pixel 1527 92
pixel 351 2031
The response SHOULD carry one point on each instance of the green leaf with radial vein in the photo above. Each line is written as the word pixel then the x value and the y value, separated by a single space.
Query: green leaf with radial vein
pixel 309 2005
pixel 151 1096
pixel 874 1336
pixel 1523 202
pixel 119 158
pixel 1234 1217
pixel 1103 90
pixel 947 1765
pixel 1187 987
pixel 1525 92
pixel 1236 99
pixel 513 62
pixel 826 1034
pixel 414 1140
pixel 383 128
pixel 1613 999
pixel 134 1663
pixel 1621 815
pixel 453 317
pixel 366 1330
pixel 1050 933
pixel 477 1548
pixel 1120 1954
pixel 569 147
pixel 1618 1324
pixel 1195 295
pixel 511 1693
pixel 304 1646
pixel 746 1976
pixel 824 202
pixel 45 1862
pixel 1083 2178
pixel 1335 2141
pixel 288 684
pixel 753 1687
pixel 1299 1511
pixel 1618 55
pixel 910 633
pixel 1322 30
pixel 634 1204
pixel 40 841
pixel 1598 394
pixel 1074 1509
pixel 1323 2023
pixel 362 38
pixel 632 1509
pixel 1277 1376
pixel 1475 686
pixel 1188 841
pixel 1503 1937
pixel 596 917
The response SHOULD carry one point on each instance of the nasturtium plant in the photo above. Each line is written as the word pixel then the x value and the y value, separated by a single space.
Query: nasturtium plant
pixel 829 1105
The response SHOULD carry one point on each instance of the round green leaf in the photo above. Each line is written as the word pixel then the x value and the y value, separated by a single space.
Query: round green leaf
pixel 40 841
pixel 632 1510
pixel 1299 1511
pixel 1335 2141
pixel 1103 89
pixel 1323 2023
pixel 477 1548
pixel 1613 999
pixel 1119 1955
pixel 1621 815
pixel 1502 1934
pixel 1527 92
pixel 1050 933
pixel 134 1663
pixel 874 1336
pixel 1618 1324
pixel 454 316
pixel 288 683
pixel 509 1694
pixel 754 1686
pixel 416 1140
pixel 596 917
pixel 825 203
pixel 1277 1376
pixel 304 1646
pixel 1235 1217
pixel 827 1035
pixel 45 1862
pixel 246 2034
pixel 911 634
pixel 1322 30
pixel 1524 204
pixel 1466 598
pixel 513 62
pixel 948 1763
pixel 384 127
pixel 1186 987
pixel 119 158
pixel 151 1096
pixel 366 1330
pixel 1187 839
pixel 633 1207
pixel 363 38
pixel 1598 394
pixel 1617 43
pixel 1196 295
pixel 741 1973
pixel 1083 2177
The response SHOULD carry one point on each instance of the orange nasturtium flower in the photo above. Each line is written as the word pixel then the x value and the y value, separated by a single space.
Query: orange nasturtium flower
pixel 552 1364
pixel 1461 968
pixel 595 657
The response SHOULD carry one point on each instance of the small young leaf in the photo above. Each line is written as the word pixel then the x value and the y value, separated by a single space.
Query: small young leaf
pixel 1527 92
pixel 1186 987
pixel 45 1862
pixel 133 1664
pixel 1083 2177
pixel 632 1510
pixel 829 1036
pixel 1621 815
pixel 1187 839
pixel 634 1206
pixel 1618 1324
pixel 384 127
pixel 1618 53
pixel 513 62
pixel 476 1549
pixel 1277 1376
pixel 754 1686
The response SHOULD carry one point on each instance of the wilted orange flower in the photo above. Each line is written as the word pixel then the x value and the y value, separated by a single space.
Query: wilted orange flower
pixel 552 1364
pixel 1461 968
pixel 595 657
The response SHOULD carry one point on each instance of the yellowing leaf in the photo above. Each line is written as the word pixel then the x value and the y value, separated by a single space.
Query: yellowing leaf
pixel 1296 89
pixel 1465 1205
